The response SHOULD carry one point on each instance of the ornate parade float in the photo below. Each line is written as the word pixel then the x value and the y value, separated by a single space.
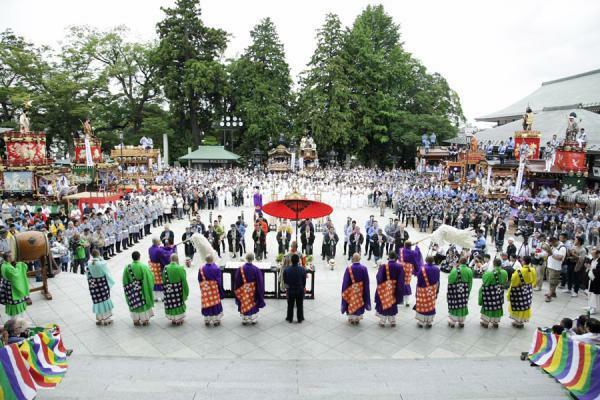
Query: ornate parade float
pixel 280 158
pixel 138 164
pixel 26 157
pixel 309 158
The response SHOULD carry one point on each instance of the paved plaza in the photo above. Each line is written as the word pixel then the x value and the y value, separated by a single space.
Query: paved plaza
pixel 324 335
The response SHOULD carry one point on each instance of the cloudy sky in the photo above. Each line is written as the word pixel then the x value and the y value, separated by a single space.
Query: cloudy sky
pixel 491 52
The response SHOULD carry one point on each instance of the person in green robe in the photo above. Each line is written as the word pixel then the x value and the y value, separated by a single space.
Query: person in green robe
pixel 491 295
pixel 460 282
pixel 139 308
pixel 100 281
pixel 15 277
pixel 176 290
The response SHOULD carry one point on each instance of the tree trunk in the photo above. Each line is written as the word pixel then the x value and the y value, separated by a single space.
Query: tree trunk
pixel 196 132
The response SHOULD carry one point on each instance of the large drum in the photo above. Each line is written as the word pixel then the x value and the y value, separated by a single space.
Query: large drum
pixel 31 246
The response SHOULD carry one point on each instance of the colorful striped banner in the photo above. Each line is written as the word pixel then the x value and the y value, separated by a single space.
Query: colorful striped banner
pixel 15 381
pixel 36 363
pixel 574 364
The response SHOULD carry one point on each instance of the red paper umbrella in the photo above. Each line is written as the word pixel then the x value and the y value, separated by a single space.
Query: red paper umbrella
pixel 295 207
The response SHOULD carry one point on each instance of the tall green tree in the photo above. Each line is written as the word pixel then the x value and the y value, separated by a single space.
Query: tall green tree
pixel 131 68
pixel 21 67
pixel 260 87
pixel 324 97
pixel 393 98
pixel 186 48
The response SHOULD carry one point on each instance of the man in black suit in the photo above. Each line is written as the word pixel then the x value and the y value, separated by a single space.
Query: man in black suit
pixel 294 278
pixel 378 242
pixel 167 236
pixel 356 241
pixel 400 236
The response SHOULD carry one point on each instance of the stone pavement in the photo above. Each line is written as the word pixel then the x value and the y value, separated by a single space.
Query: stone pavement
pixel 101 377
pixel 324 335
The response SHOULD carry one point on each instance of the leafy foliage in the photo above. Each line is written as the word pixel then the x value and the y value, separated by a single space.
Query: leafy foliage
pixel 187 50
pixel 260 88
pixel 361 93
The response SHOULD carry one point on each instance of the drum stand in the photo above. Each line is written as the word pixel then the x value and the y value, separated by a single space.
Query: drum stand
pixel 46 262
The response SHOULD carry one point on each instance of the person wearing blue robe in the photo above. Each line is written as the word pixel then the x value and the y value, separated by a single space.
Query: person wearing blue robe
pixel 98 269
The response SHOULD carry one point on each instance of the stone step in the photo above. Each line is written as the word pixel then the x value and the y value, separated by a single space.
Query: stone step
pixel 136 378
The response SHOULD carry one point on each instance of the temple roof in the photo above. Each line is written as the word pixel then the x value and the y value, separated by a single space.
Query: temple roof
pixel 210 154
pixel 548 123
pixel 578 91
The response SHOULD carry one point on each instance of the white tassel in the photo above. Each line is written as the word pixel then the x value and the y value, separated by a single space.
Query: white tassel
pixel 447 234
pixel 203 248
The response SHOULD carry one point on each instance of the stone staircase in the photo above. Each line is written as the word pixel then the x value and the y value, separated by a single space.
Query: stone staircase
pixel 141 378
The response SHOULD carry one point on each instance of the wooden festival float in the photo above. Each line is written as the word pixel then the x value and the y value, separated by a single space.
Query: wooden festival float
pixel 280 159
pixel 26 163
pixel 26 160
pixel 308 154
pixel 469 158
pixel 136 164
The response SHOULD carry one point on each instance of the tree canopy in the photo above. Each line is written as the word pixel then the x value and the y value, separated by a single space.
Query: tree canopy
pixel 361 93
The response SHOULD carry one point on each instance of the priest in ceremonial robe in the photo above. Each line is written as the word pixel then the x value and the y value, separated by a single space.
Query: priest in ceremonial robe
pixel 249 290
pixel 520 293
pixel 356 297
pixel 390 290
pixel 411 260
pixel 210 279
pixel 159 258
pixel 15 288
pixel 491 295
pixel 428 281
pixel 138 283
pixel 176 291
pixel 460 282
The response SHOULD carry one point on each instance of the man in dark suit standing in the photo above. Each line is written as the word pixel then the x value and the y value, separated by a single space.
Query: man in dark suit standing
pixel 356 241
pixel 294 278
pixel 167 236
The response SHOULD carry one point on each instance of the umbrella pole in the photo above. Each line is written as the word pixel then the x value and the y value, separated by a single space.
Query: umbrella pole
pixel 297 224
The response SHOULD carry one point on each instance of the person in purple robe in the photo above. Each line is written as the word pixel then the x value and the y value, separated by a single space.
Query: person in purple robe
pixel 249 288
pixel 356 279
pixel 411 260
pixel 389 295
pixel 258 202
pixel 210 279
pixel 428 282
pixel 159 256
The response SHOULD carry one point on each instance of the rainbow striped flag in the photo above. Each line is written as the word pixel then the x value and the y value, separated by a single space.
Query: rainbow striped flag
pixel 36 363
pixel 574 364
pixel 15 381
pixel 46 362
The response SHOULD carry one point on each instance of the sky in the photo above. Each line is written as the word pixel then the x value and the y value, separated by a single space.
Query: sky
pixel 491 52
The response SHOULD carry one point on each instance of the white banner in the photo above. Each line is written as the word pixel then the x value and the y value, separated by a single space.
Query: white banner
pixel 519 182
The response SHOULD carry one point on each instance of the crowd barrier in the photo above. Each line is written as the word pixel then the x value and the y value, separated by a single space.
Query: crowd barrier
pixel 36 363
pixel 574 364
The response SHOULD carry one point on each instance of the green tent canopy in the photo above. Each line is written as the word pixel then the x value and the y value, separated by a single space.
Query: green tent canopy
pixel 210 155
